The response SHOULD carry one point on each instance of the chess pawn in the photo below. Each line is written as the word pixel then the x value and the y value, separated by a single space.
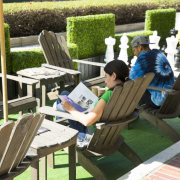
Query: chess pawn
pixel 171 49
pixel 109 56
pixel 133 60
pixel 123 49
pixel 154 39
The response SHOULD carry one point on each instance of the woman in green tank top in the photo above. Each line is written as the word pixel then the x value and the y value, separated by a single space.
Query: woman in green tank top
pixel 116 73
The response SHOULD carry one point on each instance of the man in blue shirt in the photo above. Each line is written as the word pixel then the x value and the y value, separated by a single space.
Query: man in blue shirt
pixel 151 61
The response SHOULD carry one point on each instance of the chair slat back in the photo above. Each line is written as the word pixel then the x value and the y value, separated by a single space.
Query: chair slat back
pixel 67 56
pixel 61 58
pixel 120 106
pixel 171 102
pixel 54 52
pixel 125 99
pixel 5 132
pixel 20 140
pixel 35 125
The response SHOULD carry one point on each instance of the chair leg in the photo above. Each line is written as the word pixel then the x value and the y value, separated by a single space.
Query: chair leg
pixel 126 126
pixel 90 166
pixel 125 150
pixel 162 125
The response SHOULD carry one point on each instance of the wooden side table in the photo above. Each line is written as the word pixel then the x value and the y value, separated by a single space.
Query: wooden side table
pixel 41 85
pixel 58 137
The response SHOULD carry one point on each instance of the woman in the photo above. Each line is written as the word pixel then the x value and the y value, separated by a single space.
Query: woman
pixel 116 73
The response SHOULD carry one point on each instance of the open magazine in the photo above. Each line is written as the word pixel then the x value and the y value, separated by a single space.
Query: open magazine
pixel 40 71
pixel 81 98
pixel 42 130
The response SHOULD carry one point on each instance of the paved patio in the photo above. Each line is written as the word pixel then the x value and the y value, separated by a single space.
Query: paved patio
pixel 163 166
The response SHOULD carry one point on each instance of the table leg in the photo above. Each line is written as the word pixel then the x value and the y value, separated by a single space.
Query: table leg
pixel 31 92
pixel 35 171
pixel 51 160
pixel 38 95
pixel 44 95
pixel 77 79
pixel 20 93
pixel 44 168
pixel 72 162
pixel 62 84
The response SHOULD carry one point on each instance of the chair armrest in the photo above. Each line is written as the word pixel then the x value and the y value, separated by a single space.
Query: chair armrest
pixel 53 112
pixel 69 71
pixel 21 79
pixel 132 117
pixel 169 91
pixel 90 63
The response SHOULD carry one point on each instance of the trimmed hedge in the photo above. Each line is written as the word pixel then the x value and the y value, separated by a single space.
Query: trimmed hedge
pixel 7 48
pixel 161 20
pixel 27 59
pixel 130 36
pixel 86 34
pixel 31 18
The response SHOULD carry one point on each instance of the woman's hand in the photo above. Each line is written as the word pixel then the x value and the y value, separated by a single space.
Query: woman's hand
pixel 66 106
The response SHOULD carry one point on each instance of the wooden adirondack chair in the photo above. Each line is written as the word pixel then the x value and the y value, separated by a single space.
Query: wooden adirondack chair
pixel 106 139
pixel 169 109
pixel 15 139
pixel 57 55
pixel 24 103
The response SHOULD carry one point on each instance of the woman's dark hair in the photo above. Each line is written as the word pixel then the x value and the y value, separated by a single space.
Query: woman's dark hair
pixel 120 68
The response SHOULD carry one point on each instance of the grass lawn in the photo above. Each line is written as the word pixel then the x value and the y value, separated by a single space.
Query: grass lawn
pixel 145 139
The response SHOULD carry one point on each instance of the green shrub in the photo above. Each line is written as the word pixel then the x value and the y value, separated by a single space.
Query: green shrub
pixel 27 59
pixel 130 36
pixel 161 20
pixel 7 48
pixel 30 19
pixel 87 34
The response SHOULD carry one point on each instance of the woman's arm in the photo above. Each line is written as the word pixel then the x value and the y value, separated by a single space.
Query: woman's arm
pixel 86 119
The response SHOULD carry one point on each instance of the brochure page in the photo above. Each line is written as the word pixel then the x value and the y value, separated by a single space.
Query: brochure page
pixel 81 98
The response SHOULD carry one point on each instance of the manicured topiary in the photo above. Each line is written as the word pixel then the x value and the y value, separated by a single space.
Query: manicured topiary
pixel 27 59
pixel 161 20
pixel 86 34
pixel 31 18
pixel 7 48
pixel 130 36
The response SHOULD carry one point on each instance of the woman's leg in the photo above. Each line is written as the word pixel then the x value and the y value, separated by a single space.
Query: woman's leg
pixel 73 124
pixel 80 127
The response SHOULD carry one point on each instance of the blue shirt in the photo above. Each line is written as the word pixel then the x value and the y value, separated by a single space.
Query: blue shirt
pixel 154 61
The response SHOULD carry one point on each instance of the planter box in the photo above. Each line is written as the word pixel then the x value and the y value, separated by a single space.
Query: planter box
pixel 89 71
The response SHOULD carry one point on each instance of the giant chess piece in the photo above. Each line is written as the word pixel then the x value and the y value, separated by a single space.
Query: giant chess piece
pixel 133 60
pixel 109 56
pixel 174 33
pixel 171 49
pixel 177 59
pixel 123 52
pixel 154 39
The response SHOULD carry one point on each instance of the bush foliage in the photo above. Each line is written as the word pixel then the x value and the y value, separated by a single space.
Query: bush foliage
pixel 27 59
pixel 31 18
pixel 87 34
pixel 161 20
pixel 7 48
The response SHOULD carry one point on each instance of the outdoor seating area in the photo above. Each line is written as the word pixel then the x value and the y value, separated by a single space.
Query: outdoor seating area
pixel 69 111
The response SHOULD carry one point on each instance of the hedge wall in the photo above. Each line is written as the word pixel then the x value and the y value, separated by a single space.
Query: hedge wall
pixel 86 34
pixel 31 18
pixel 7 48
pixel 130 37
pixel 161 20
pixel 27 59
